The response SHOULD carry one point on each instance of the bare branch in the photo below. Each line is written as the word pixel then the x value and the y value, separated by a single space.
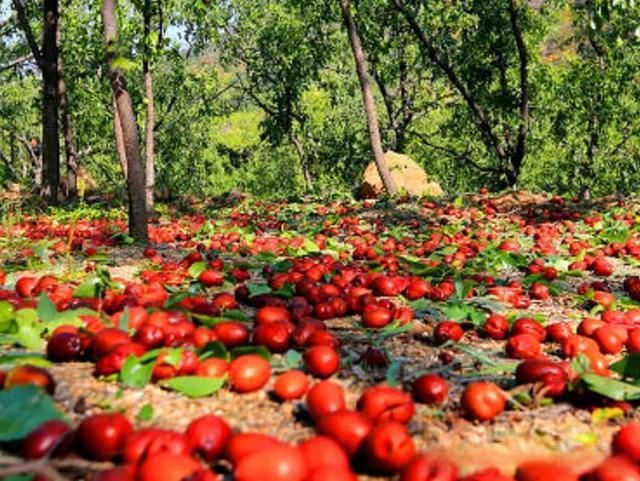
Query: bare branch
pixel 461 156
pixel 15 62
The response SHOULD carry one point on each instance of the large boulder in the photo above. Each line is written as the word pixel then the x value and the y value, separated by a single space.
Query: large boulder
pixel 409 177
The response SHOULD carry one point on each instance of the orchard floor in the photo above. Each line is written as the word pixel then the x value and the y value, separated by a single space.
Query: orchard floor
pixel 581 435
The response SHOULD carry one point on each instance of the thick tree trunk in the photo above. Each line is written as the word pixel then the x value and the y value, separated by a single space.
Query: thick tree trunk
pixel 71 155
pixel 47 166
pixel 149 141
pixel 136 179
pixel 367 99
pixel 120 148
pixel 308 183
pixel 50 99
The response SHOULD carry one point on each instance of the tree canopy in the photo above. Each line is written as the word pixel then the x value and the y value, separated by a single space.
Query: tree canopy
pixel 262 96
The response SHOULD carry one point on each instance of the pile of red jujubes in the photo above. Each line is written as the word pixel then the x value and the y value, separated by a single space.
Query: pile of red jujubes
pixel 372 439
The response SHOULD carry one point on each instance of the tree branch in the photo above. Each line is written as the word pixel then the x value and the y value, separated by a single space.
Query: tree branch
pixel 15 62
pixel 23 21
pixel 7 21
pixel 387 98
pixel 464 156
pixel 438 58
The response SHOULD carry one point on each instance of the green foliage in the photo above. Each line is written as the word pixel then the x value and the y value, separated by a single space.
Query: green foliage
pixel 22 409
pixel 235 82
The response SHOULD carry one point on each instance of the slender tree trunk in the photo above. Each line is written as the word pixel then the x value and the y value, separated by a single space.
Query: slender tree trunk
pixel 71 156
pixel 14 152
pixel 367 99
pixel 36 159
pixel 406 103
pixel 50 102
pixel 308 183
pixel 136 179
pixel 387 100
pixel 149 148
pixel 149 141
pixel 519 150
pixel 120 148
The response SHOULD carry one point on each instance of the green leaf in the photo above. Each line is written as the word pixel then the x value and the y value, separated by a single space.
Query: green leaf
pixel 24 408
pixel 214 349
pixel 194 386
pixel 618 232
pixel 6 315
pixel 208 320
pixel 258 289
pixel 310 246
pixel 477 317
pixel 580 364
pixel 66 318
pixel 174 356
pixel 24 331
pixel 11 359
pixel 46 309
pixel 92 286
pixel 197 268
pixel 282 266
pixel 145 413
pixel 628 366
pixel 20 477
pixel 287 291
pixel 479 355
pixel 393 371
pixel 136 373
pixel 611 388
pixel 123 323
pixel 293 359
pixel 123 63
pixel 392 329
pixel 176 299
pixel 26 316
pixel 244 350
pixel 236 315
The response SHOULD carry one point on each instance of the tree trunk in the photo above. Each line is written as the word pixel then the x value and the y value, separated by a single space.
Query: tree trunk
pixel 47 164
pixel 367 100
pixel 308 183
pixel 13 152
pixel 71 156
pixel 36 159
pixel 518 151
pixel 136 178
pixel 406 103
pixel 120 148
pixel 149 141
pixel 50 100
